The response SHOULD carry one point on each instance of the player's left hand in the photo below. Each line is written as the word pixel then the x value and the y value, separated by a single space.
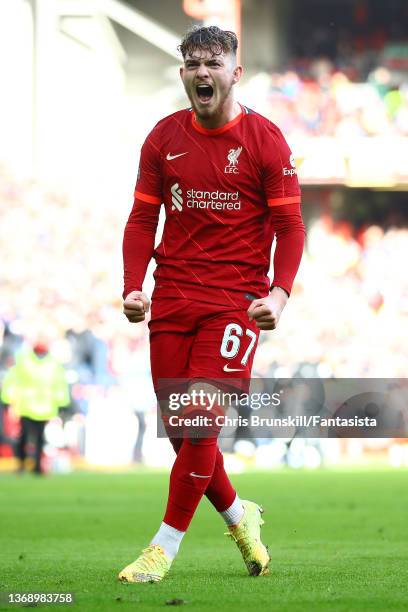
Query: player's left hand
pixel 266 311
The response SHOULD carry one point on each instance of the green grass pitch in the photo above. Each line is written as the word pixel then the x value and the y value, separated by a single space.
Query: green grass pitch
pixel 338 539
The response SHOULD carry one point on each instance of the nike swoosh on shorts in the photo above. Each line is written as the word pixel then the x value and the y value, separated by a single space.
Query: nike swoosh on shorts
pixel 228 369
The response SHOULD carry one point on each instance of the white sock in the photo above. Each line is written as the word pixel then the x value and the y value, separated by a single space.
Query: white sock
pixel 169 539
pixel 234 513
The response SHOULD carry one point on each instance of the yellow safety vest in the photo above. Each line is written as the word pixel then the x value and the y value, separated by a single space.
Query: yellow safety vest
pixel 35 387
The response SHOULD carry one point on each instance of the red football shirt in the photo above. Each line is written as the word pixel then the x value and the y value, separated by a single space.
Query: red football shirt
pixel 224 191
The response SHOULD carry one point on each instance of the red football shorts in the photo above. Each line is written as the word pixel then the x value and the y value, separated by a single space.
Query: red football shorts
pixel 190 339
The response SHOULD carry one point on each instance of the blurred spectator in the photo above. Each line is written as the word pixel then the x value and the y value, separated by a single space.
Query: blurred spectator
pixel 35 387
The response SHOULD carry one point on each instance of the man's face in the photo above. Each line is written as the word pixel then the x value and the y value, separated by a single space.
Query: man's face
pixel 208 81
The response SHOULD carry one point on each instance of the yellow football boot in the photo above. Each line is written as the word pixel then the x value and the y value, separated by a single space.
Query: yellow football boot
pixel 151 566
pixel 247 535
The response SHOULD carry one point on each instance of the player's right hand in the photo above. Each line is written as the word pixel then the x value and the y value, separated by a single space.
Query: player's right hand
pixel 135 306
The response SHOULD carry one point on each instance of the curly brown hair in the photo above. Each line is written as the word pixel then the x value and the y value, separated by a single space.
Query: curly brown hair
pixel 209 38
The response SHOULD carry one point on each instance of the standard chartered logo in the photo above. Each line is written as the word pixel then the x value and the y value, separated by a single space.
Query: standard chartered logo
pixel 176 197
pixel 204 200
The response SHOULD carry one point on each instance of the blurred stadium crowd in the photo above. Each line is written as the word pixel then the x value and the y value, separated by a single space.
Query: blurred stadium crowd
pixel 333 105
pixel 322 100
pixel 61 278
pixel 61 284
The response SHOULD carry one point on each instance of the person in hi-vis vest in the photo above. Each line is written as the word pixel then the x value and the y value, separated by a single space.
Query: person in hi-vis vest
pixel 36 388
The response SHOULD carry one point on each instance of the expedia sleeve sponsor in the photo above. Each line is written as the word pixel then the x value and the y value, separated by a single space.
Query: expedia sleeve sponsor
pixel 279 168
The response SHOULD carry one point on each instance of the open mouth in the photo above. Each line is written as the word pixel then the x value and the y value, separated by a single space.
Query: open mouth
pixel 204 92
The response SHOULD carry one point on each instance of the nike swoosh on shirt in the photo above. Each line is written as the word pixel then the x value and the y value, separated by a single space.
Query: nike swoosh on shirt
pixel 170 157
pixel 228 369
pixel 198 475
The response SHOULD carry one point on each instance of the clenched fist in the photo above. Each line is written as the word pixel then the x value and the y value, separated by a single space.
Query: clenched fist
pixel 135 306
pixel 266 311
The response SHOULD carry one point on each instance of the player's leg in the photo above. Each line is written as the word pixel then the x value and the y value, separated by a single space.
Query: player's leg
pixel 169 356
pixel 171 343
pixel 171 339
pixel 195 462
pixel 208 355
pixel 224 348
pixel 191 473
pixel 198 461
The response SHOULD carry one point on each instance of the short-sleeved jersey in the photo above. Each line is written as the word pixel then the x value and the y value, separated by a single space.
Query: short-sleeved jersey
pixel 218 187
